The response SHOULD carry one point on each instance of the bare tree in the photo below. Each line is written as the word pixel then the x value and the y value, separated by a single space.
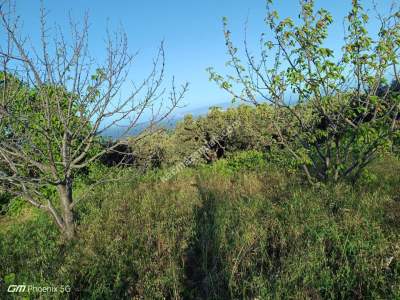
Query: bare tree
pixel 343 112
pixel 56 102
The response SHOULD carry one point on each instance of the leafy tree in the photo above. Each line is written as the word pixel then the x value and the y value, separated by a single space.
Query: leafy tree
pixel 55 103
pixel 341 118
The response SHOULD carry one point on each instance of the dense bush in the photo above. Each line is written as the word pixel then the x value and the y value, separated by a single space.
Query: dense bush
pixel 221 133
pixel 236 129
pixel 152 151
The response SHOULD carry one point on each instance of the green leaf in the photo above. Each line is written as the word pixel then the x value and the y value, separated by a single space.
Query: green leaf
pixel 10 278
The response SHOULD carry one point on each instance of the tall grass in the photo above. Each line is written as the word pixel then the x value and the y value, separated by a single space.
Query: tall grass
pixel 232 230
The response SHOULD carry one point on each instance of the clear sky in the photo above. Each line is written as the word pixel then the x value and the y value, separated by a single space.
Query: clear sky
pixel 192 31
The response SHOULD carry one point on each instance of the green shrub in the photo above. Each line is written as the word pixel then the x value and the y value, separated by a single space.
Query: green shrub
pixel 15 206
pixel 236 129
pixel 248 160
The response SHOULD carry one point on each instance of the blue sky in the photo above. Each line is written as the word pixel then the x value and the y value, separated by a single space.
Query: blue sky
pixel 192 31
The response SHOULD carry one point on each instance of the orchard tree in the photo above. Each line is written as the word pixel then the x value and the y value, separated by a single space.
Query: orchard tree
pixel 334 111
pixel 57 100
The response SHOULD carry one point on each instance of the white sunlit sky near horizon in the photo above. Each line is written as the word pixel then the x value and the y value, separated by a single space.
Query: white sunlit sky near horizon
pixel 191 30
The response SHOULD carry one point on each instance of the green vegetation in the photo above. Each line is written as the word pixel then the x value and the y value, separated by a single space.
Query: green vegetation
pixel 345 111
pixel 273 200
pixel 237 229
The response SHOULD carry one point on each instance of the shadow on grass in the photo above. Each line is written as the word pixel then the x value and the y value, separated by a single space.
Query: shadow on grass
pixel 205 276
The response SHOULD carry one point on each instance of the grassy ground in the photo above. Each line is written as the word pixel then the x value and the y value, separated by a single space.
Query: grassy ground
pixel 233 230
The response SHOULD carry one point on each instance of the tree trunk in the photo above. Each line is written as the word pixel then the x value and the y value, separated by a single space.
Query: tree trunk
pixel 65 192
